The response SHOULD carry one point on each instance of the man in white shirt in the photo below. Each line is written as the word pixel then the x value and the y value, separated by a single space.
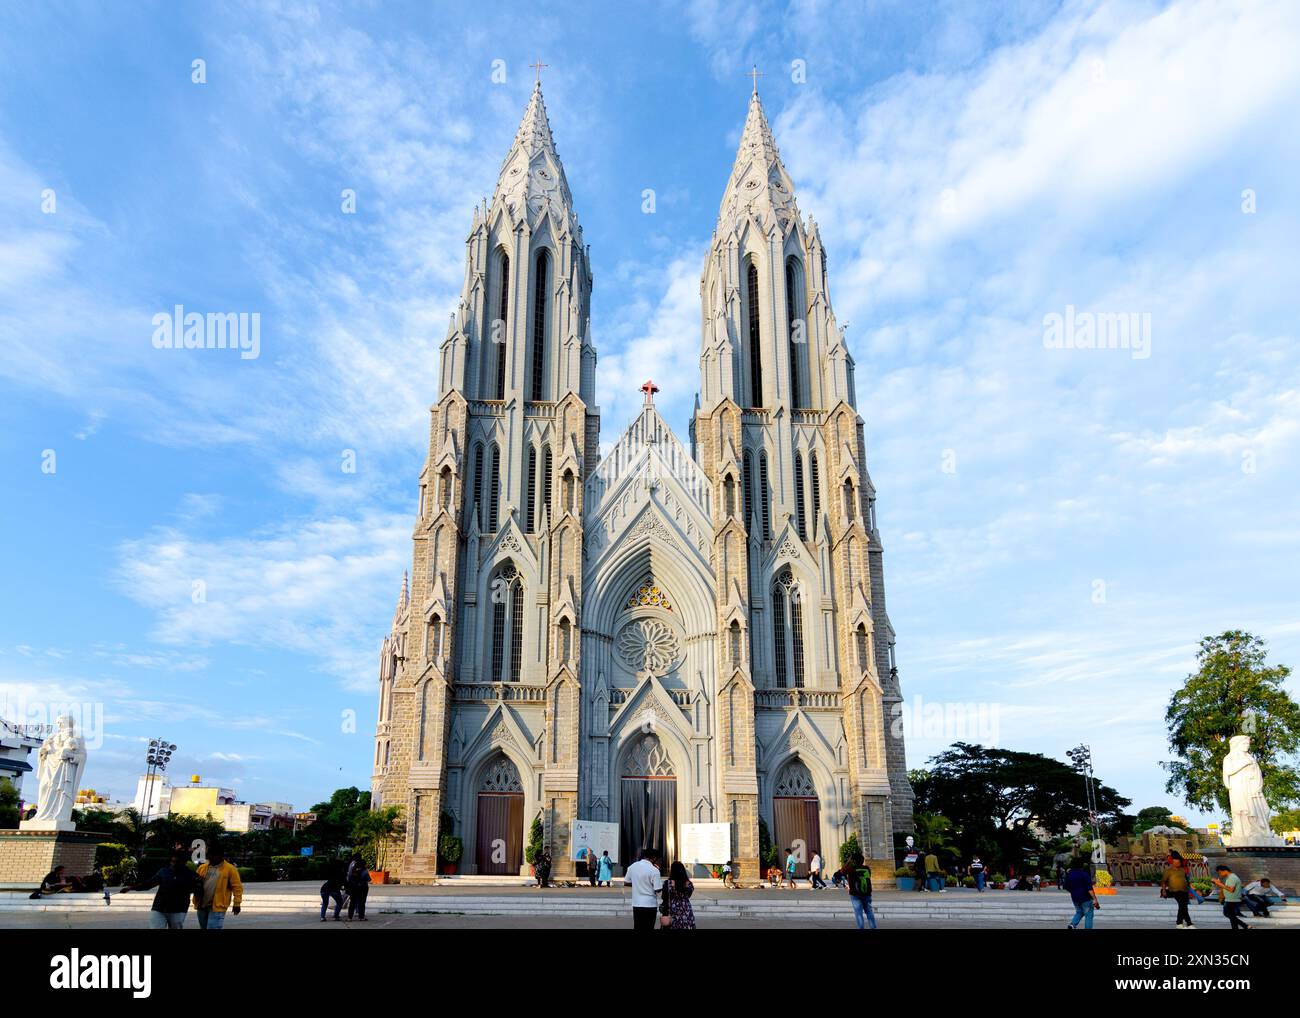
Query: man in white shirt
pixel 815 872
pixel 646 880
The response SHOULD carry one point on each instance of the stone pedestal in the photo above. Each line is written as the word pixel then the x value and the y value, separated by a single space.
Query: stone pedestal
pixel 26 856
pixel 1281 864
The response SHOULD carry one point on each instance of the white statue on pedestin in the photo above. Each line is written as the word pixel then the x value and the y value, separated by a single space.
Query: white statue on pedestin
pixel 62 761
pixel 1245 782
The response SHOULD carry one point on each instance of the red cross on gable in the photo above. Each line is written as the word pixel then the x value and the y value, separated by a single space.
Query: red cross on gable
pixel 649 389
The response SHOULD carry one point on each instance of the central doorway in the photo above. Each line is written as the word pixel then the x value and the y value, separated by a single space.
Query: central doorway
pixel 796 816
pixel 499 840
pixel 648 802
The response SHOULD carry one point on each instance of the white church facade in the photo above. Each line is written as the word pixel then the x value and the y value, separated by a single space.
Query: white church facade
pixel 673 633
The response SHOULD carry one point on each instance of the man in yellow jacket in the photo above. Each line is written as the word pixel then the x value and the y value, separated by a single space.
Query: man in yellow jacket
pixel 222 888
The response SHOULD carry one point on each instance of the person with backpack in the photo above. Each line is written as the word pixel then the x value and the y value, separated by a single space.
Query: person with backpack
pixel 358 881
pixel 335 881
pixel 857 878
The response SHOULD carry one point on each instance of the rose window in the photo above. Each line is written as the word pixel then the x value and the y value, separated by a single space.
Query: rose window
pixel 648 645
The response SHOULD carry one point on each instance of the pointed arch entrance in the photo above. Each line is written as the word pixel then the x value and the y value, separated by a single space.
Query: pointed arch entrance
pixel 499 841
pixel 796 814
pixel 647 801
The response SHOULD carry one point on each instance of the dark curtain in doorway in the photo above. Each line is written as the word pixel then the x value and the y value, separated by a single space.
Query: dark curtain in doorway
pixel 797 821
pixel 648 819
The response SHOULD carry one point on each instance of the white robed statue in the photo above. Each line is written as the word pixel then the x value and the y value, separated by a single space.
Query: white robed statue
pixel 62 761
pixel 1245 781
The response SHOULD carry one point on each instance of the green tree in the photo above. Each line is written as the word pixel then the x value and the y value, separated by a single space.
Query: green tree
pixel 1000 802
pixel 8 804
pixel 1285 820
pixel 534 849
pixel 1152 816
pixel 1233 690
pixel 933 832
pixel 374 833
pixel 335 821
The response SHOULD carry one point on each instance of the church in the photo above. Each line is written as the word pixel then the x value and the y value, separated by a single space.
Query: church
pixel 671 633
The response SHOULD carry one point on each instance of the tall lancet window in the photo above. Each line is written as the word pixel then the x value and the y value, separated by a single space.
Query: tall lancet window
pixel 801 519
pixel 747 493
pixel 795 311
pixel 787 630
pixel 494 347
pixel 815 483
pixel 547 470
pixel 474 489
pixel 755 341
pixel 494 489
pixel 539 325
pixel 507 595
pixel 530 491
pixel 765 493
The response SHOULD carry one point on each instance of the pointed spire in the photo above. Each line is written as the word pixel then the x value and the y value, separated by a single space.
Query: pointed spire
pixel 403 599
pixel 759 182
pixel 532 180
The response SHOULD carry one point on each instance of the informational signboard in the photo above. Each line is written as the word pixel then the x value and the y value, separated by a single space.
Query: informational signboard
pixel 708 844
pixel 595 837
pixel 306 849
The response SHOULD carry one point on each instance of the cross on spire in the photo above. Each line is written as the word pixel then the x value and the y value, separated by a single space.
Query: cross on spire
pixel 756 74
pixel 537 66
pixel 649 389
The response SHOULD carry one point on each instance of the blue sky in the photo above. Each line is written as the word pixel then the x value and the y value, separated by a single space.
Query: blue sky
pixel 1061 526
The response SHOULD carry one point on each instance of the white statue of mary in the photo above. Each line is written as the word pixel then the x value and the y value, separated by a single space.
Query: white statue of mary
pixel 1245 781
pixel 62 761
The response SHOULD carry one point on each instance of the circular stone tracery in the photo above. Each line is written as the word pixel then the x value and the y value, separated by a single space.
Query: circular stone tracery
pixel 648 645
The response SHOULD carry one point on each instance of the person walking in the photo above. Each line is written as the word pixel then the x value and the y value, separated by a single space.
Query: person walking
pixel 543 866
pixel 977 871
pixel 604 869
pixel 645 879
pixel 332 888
pixel 815 872
pixel 358 884
pixel 220 889
pixel 857 878
pixel 791 864
pixel 176 885
pixel 933 877
pixel 1175 884
pixel 1229 885
pixel 676 907
pixel 1079 883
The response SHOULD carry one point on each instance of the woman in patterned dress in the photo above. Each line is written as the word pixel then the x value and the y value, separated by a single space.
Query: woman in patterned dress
pixel 677 893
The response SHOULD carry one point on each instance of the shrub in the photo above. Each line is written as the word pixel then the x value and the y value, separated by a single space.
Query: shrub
pixel 317 869
pixel 247 873
pixel 904 871
pixel 849 849
pixel 950 881
pixel 534 849
pixel 450 848
pixel 998 878
pixel 967 881
pixel 1103 879
pixel 110 853
pixel 1203 887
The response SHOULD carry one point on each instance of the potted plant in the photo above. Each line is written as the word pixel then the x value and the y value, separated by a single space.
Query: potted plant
pixel 1102 883
pixel 375 831
pixel 449 851
pixel 998 880
pixel 533 850
pixel 904 878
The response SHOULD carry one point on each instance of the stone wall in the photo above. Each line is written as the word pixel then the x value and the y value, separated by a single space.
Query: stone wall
pixel 27 856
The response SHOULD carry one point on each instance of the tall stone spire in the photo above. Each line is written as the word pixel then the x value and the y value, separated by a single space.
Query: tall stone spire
pixel 759 182
pixel 532 177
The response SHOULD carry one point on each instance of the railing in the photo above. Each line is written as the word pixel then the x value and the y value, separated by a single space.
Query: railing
pixel 649 447
pixel 487 692
pixel 487 407
pixel 533 408
pixel 797 697
pixel 681 697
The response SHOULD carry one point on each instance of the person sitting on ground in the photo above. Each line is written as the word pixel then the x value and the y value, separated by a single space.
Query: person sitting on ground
pixel 1260 894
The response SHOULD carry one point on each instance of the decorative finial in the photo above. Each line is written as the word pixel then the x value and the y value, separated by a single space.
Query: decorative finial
pixel 537 66
pixel 756 74
pixel 649 389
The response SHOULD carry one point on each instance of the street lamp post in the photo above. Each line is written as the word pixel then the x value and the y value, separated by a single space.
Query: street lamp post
pixel 160 752
pixel 1081 755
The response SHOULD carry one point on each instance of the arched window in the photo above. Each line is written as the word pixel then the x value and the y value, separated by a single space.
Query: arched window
pixel 729 495
pixel 494 488
pixel 444 489
pixel 569 490
pixel 863 660
pixel 546 482
pixel 734 634
pixel 474 486
pixel 815 484
pixel 748 493
pixel 787 630
pixel 765 493
pixel 566 637
pixel 493 378
pixel 801 521
pixel 530 490
pixel 540 290
pixel 755 341
pixel 795 311
pixel 848 500
pixel 507 595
